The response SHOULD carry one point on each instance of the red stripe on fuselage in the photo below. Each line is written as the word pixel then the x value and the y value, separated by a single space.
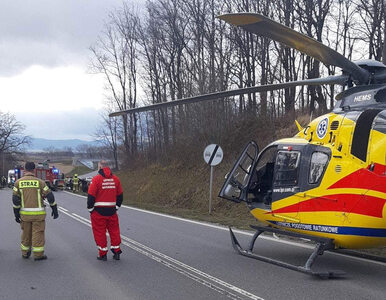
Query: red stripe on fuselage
pixel 348 203
pixel 364 179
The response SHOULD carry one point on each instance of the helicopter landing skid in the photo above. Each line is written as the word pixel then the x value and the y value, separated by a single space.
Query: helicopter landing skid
pixel 322 244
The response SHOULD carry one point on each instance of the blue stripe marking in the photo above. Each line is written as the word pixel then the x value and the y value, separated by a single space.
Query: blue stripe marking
pixel 343 230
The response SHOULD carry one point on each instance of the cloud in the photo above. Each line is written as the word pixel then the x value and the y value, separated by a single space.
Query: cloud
pixel 40 89
pixel 44 53
pixel 79 124
pixel 49 33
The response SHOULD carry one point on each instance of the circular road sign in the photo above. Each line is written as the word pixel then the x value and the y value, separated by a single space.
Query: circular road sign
pixel 213 154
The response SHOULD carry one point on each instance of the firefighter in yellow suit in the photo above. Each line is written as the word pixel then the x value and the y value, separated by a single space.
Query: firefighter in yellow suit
pixel 29 210
pixel 75 183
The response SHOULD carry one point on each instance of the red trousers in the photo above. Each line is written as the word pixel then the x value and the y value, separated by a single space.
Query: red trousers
pixel 100 224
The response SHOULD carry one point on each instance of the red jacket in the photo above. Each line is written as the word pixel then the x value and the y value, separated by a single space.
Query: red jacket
pixel 105 193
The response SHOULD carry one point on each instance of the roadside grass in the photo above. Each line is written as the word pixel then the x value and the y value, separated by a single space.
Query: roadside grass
pixel 183 191
pixel 241 221
pixel 63 167
pixel 62 161
pixel 79 170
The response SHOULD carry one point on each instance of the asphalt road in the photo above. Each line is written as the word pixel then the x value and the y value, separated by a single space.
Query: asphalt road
pixel 167 258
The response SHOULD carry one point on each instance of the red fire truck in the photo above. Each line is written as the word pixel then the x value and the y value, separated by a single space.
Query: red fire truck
pixel 50 175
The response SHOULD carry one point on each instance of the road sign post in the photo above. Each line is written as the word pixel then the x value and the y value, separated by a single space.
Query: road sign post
pixel 213 155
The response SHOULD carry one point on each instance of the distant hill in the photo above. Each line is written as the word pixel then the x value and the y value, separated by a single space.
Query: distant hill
pixel 38 144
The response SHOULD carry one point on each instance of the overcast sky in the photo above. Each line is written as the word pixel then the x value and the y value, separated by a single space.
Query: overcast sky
pixel 44 59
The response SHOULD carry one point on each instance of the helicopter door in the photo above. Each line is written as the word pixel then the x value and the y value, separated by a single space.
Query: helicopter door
pixel 235 187
pixel 260 186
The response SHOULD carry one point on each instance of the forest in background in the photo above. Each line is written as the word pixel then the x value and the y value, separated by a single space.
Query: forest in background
pixel 174 49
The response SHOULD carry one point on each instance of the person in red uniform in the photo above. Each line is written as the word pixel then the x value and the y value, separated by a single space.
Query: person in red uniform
pixel 105 196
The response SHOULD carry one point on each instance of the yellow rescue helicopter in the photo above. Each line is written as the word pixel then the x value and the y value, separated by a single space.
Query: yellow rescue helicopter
pixel 327 183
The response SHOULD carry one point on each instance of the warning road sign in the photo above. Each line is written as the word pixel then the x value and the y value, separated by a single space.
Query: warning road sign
pixel 213 154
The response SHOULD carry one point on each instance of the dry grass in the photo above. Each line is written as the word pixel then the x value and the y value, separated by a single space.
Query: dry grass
pixel 64 168
pixel 181 191
pixel 78 170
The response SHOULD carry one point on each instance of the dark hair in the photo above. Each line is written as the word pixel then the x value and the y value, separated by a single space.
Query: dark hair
pixel 29 166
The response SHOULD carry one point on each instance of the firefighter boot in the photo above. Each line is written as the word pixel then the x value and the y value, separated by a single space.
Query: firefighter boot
pixel 43 257
pixel 117 254
pixel 103 257
pixel 27 255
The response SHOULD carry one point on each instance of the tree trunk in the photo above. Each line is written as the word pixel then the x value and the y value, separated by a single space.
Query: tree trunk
pixel 384 36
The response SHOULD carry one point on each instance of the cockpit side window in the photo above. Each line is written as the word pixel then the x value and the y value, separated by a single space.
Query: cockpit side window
pixel 287 168
pixel 260 186
pixel 319 161
pixel 268 156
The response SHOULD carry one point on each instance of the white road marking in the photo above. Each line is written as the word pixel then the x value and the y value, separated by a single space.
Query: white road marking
pixel 75 218
pixel 242 232
pixel 196 271
pixel 73 194
pixel 185 273
pixel 80 217
pixel 199 276
pixel 180 219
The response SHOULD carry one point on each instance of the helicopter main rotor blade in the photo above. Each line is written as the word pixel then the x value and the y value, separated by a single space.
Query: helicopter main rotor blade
pixel 261 25
pixel 341 79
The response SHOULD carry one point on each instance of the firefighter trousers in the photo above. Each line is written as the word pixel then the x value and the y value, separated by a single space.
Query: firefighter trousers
pixel 100 224
pixel 32 236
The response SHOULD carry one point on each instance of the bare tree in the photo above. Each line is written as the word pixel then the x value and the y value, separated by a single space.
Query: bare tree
pixel 115 56
pixel 107 134
pixel 372 13
pixel 384 33
pixel 177 49
pixel 313 16
pixel 11 134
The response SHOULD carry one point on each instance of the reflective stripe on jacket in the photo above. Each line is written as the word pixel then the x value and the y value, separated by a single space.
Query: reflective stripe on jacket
pixel 104 192
pixel 31 191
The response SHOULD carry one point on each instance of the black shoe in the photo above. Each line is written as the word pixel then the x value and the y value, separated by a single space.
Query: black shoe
pixel 40 257
pixel 27 255
pixel 103 257
pixel 117 255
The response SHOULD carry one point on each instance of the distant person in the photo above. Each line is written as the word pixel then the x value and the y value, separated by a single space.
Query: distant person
pixel 69 183
pixel 29 209
pixel 75 183
pixel 3 181
pixel 105 196
pixel 84 185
